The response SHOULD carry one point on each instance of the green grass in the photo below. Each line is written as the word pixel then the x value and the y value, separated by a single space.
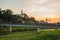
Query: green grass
pixel 18 36
pixel 32 35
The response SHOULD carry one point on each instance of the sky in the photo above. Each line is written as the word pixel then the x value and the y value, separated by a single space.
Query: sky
pixel 35 8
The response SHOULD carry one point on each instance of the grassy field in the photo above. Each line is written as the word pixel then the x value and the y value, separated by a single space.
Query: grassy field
pixel 32 35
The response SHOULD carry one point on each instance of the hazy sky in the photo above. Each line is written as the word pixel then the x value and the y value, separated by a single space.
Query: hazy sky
pixel 35 8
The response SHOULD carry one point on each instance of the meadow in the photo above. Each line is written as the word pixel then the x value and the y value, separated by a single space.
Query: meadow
pixel 33 35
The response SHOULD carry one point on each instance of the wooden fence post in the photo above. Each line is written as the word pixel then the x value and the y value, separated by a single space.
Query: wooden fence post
pixel 10 28
pixel 38 29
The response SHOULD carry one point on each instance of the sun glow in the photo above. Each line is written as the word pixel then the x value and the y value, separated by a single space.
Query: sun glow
pixel 36 8
pixel 50 19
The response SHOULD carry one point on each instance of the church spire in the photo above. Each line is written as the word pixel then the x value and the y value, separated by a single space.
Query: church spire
pixel 22 14
pixel 21 11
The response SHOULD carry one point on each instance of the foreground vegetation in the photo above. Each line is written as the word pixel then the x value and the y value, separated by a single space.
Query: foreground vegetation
pixel 32 35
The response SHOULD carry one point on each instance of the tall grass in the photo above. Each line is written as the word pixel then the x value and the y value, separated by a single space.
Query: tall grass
pixel 33 35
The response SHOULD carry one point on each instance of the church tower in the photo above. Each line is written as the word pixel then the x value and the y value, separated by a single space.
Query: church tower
pixel 21 11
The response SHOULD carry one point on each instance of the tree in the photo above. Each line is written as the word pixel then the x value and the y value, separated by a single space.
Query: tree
pixel 1 16
pixel 17 19
pixel 7 15
pixel 0 13
pixel 31 20
pixel 0 10
pixel 25 17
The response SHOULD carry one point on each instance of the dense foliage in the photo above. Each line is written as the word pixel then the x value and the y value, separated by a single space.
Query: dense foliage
pixel 7 16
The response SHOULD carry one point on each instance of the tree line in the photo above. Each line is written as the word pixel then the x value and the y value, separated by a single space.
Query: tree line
pixel 7 16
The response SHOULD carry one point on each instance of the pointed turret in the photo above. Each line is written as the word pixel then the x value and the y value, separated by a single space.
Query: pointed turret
pixel 21 11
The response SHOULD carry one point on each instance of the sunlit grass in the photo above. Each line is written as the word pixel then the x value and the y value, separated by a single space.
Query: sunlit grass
pixel 33 35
